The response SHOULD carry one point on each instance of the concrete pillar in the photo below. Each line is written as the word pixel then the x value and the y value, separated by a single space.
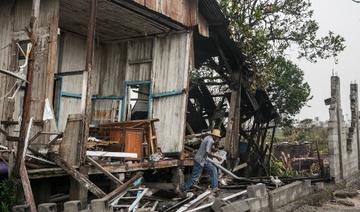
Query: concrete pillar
pixel 354 101
pixel 178 176
pixel 72 206
pixel 47 207
pixel 20 208
pixel 258 190
pixel 77 191
pixel 335 131
pixel 98 205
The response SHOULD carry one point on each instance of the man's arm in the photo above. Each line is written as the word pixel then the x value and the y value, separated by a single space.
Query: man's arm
pixel 215 156
pixel 210 149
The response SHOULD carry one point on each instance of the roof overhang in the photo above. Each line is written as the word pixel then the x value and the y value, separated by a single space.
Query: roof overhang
pixel 116 19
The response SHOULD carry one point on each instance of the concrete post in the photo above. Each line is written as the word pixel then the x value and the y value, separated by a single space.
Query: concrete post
pixel 335 131
pixel 20 208
pixel 354 101
pixel 72 206
pixel 47 207
pixel 258 190
pixel 98 205
pixel 178 176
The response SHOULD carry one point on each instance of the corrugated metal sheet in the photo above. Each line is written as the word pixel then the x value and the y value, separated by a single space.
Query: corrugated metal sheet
pixel 114 22
pixel 210 9
pixel 139 59
pixel 171 68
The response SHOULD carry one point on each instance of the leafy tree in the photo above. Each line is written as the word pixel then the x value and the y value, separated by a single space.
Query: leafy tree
pixel 265 30
pixel 287 89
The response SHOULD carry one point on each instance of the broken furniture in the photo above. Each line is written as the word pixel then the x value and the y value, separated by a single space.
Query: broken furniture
pixel 136 136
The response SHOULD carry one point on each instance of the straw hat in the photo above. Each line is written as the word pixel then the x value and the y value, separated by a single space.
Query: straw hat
pixel 216 132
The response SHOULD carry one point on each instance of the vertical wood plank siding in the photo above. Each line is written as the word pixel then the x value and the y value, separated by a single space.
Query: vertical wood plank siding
pixel 5 54
pixel 171 72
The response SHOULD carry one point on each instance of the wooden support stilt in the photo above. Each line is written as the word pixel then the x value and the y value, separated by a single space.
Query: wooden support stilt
pixel 32 33
pixel 29 197
pixel 122 188
pixel 86 87
pixel 104 171
pixel 233 128
pixel 86 94
pixel 79 177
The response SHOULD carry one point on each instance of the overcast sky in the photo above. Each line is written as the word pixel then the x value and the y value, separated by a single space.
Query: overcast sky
pixel 342 17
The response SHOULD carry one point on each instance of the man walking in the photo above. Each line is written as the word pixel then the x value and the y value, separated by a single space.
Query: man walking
pixel 205 150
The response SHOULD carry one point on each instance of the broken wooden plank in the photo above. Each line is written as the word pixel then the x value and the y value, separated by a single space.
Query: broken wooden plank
pixel 202 207
pixel 241 166
pixel 154 206
pixel 104 171
pixel 29 197
pixel 86 84
pixel 201 197
pixel 69 147
pixel 27 100
pixel 227 171
pixel 232 131
pixel 135 204
pixel 80 178
pixel 111 154
pixel 189 195
pixel 109 197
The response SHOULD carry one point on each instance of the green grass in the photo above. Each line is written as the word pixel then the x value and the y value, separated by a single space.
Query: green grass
pixel 10 194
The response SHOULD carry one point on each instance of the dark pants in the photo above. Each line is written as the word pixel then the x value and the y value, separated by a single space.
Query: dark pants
pixel 196 173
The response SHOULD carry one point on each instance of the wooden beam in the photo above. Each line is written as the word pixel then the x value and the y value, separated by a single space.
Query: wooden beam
pixel 104 171
pixel 27 187
pixel 86 95
pixel 223 57
pixel 80 178
pixel 112 154
pixel 32 33
pixel 109 197
pixel 29 197
pixel 241 166
pixel 86 86
pixel 233 128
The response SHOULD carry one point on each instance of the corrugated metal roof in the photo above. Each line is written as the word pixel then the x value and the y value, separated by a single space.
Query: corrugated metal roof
pixel 210 9
pixel 115 20
pixel 218 26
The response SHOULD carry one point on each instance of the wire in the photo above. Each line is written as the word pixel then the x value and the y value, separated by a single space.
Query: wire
pixel 9 92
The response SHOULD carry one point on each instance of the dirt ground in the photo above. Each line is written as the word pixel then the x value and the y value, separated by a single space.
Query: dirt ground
pixel 331 207
pixel 324 200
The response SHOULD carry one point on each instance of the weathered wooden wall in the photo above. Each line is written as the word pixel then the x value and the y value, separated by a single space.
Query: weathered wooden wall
pixel 139 61
pixel 107 77
pixel 15 16
pixel 182 11
pixel 171 68
pixel 113 70
pixel 5 53
pixel 72 58
pixel 165 60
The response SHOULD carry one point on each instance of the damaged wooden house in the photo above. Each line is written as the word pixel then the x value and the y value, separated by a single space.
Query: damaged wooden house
pixel 113 80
